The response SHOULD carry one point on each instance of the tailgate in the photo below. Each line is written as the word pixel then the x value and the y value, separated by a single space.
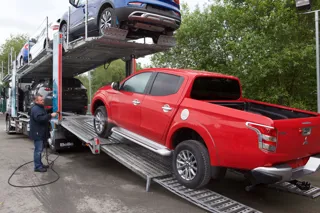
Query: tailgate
pixel 298 138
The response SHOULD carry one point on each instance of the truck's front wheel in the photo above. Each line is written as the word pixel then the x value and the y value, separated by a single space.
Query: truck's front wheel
pixel 191 164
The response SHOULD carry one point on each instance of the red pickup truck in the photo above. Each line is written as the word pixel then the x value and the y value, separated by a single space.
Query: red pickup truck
pixel 202 121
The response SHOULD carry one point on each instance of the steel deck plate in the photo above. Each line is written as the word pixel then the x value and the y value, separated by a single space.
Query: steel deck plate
pixel 141 161
pixel 79 126
pixel 313 192
pixel 204 198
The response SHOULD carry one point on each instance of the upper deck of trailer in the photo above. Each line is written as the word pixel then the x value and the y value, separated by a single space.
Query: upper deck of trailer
pixel 83 55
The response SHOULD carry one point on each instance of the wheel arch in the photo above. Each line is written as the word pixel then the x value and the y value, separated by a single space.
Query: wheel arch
pixel 62 23
pixel 184 131
pixel 104 5
pixel 97 102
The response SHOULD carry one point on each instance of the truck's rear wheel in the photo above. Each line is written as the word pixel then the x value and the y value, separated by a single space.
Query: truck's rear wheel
pixel 191 164
pixel 100 122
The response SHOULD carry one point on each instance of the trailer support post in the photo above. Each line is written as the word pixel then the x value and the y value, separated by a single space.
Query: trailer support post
pixel 57 74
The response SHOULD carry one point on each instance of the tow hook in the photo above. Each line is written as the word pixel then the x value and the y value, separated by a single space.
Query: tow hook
pixel 250 188
pixel 302 185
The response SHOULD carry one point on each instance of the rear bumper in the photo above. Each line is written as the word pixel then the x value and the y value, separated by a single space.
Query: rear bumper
pixel 283 172
pixel 160 19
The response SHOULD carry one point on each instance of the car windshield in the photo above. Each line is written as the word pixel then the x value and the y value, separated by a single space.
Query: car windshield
pixel 214 88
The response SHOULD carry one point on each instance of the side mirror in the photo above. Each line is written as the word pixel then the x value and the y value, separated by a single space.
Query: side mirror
pixel 115 85
pixel 74 3
pixel 33 40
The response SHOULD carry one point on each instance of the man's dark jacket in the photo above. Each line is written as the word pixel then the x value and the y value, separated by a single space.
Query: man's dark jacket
pixel 39 123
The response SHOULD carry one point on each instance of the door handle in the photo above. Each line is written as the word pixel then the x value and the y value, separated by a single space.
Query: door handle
pixel 166 108
pixel 136 102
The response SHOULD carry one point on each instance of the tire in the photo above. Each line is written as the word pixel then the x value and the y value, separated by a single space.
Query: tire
pixel 155 39
pixel 25 108
pixel 100 122
pixel 197 153
pixel 8 126
pixel 105 21
pixel 64 31
pixel 21 62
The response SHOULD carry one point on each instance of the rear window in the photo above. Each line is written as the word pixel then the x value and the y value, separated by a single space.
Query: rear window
pixel 69 82
pixel 213 88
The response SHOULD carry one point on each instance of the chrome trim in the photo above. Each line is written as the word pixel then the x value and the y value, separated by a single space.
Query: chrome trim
pixel 166 108
pixel 152 17
pixel 142 141
pixel 287 173
pixel 136 102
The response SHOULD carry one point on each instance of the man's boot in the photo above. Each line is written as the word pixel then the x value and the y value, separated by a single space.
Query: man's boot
pixel 40 170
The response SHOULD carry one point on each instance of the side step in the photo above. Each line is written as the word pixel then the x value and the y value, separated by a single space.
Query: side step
pixel 313 192
pixel 142 141
pixel 204 198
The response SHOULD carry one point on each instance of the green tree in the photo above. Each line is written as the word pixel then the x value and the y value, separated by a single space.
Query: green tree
pixel 267 44
pixel 14 41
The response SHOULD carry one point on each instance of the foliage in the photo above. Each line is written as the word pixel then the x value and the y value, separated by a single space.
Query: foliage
pixel 14 41
pixel 267 44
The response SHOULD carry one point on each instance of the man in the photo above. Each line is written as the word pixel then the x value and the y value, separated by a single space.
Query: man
pixel 39 124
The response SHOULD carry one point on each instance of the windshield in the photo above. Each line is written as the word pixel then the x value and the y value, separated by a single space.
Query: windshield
pixel 214 88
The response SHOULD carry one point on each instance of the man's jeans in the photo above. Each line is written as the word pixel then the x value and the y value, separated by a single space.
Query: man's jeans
pixel 38 148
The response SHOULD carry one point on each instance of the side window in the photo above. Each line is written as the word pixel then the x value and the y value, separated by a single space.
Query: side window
pixel 82 2
pixel 137 83
pixel 166 84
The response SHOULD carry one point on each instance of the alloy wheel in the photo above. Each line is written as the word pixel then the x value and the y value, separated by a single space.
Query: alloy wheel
pixel 105 21
pixel 64 32
pixel 99 122
pixel 186 165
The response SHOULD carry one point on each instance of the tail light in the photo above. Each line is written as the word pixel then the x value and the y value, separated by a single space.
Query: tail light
pixel 178 14
pixel 177 1
pixel 267 136
pixel 47 89
pixel 55 27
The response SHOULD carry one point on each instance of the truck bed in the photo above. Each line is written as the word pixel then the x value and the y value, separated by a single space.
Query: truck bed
pixel 273 112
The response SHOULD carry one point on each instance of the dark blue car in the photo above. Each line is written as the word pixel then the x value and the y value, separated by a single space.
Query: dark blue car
pixel 143 18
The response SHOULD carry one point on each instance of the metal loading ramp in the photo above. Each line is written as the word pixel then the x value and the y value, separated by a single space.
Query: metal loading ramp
pixel 313 192
pixel 152 167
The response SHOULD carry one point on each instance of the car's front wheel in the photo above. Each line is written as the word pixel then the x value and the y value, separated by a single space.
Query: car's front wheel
pixel 107 19
pixel 191 164
pixel 21 62
pixel 100 122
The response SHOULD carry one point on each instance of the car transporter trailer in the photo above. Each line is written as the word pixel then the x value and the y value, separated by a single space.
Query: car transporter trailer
pixel 83 55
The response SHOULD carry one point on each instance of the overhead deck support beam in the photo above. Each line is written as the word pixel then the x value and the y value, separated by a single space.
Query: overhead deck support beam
pixel 13 88
pixel 86 20
pixel 130 66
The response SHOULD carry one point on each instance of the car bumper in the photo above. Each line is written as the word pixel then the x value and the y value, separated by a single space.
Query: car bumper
pixel 283 172
pixel 152 20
